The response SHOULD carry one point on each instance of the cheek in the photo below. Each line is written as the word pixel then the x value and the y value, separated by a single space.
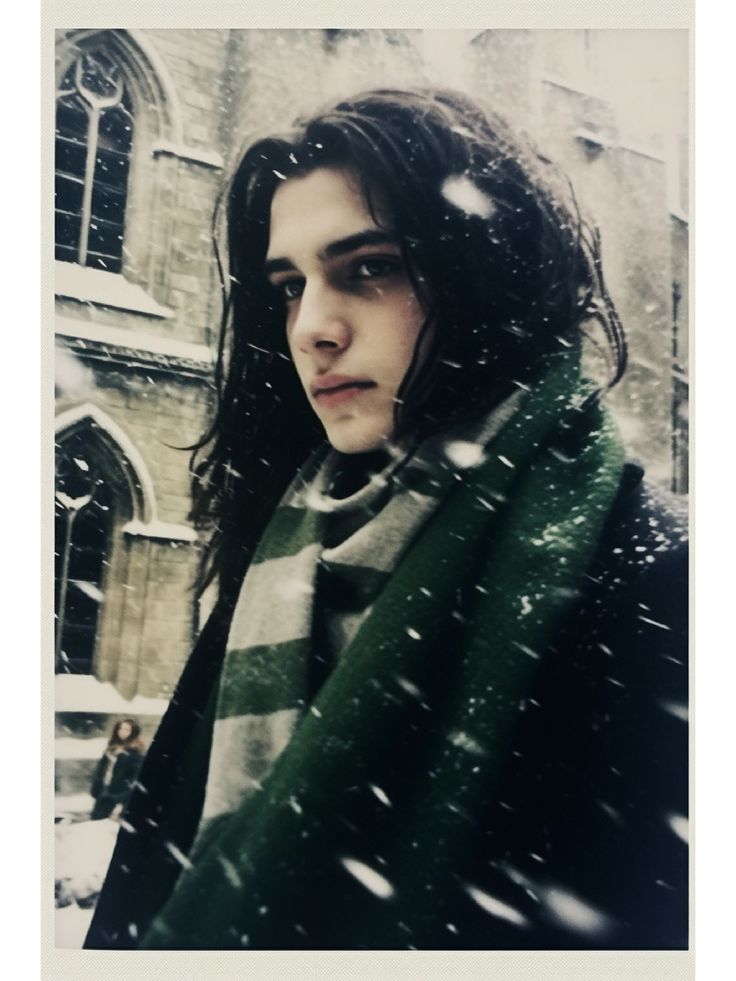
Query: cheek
pixel 408 338
pixel 300 366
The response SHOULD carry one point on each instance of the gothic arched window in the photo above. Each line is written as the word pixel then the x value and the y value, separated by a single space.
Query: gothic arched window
pixel 94 135
pixel 83 526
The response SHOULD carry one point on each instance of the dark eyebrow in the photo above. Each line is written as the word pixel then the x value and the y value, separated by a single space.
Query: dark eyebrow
pixel 372 236
pixel 343 246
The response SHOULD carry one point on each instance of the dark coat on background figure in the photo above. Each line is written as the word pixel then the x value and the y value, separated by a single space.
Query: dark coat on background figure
pixel 125 770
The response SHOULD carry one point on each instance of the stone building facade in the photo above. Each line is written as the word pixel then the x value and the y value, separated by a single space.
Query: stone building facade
pixel 136 321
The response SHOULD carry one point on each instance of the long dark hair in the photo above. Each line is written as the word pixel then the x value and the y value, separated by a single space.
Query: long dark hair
pixel 134 741
pixel 490 232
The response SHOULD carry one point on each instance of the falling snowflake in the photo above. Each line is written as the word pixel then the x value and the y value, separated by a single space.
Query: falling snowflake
pixel 677 709
pixel 679 824
pixel 178 855
pixel 89 589
pixel 380 794
pixel 573 913
pixel 231 873
pixel 495 907
pixel 463 741
pixel 463 194
pixel 373 881
pixel 464 454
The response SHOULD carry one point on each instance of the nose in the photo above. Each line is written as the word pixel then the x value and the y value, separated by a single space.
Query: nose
pixel 320 324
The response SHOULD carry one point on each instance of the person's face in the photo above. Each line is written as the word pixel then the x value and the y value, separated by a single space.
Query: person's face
pixel 353 317
pixel 125 730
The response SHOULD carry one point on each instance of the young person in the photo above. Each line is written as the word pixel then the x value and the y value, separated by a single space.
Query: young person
pixel 440 700
pixel 116 772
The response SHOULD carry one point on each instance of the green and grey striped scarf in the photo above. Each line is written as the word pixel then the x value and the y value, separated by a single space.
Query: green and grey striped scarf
pixel 265 684
pixel 346 819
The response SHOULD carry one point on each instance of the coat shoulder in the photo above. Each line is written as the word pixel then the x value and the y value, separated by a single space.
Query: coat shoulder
pixel 644 544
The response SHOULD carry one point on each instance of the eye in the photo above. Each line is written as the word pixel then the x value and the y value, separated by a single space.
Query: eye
pixel 375 268
pixel 291 289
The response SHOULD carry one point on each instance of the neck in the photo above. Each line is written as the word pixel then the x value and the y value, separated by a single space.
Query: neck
pixel 355 470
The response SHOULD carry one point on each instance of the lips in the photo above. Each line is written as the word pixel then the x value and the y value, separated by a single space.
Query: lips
pixel 334 389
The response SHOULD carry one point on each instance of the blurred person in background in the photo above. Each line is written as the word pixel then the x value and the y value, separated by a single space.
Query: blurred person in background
pixel 117 770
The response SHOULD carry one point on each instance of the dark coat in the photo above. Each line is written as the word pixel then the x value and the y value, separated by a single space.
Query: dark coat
pixel 597 787
pixel 595 790
pixel 125 771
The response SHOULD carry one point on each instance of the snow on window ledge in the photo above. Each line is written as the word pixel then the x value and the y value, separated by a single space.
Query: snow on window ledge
pixel 105 288
pixel 163 530
pixel 85 693
pixel 195 155
pixel 592 137
pixel 75 748
pixel 86 330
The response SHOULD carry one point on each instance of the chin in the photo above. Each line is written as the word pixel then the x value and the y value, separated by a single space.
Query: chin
pixel 357 439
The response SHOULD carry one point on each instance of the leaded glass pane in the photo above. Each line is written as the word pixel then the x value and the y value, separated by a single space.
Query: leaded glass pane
pixel 68 194
pixel 71 119
pixel 93 105
pixel 99 77
pixel 67 229
pixel 116 129
pixel 105 245
pixel 70 157
pixel 84 512
pixel 111 168
pixel 108 203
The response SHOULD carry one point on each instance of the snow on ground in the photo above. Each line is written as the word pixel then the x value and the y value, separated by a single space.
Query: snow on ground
pixel 84 693
pixel 83 853
pixel 83 847
pixel 73 804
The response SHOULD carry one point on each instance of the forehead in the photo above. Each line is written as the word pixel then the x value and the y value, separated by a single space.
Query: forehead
pixel 310 211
